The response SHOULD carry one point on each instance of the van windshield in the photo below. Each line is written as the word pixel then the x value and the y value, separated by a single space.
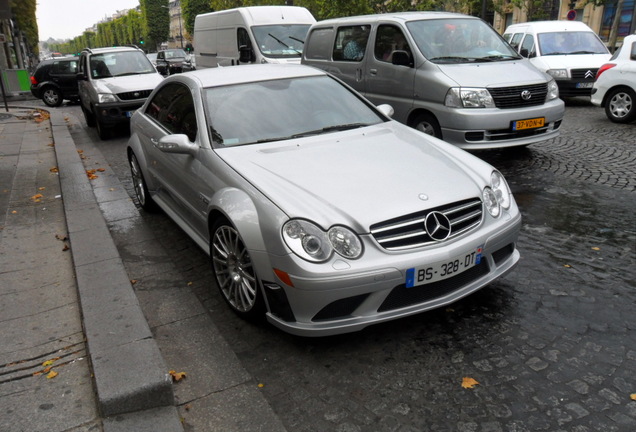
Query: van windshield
pixel 460 40
pixel 281 41
pixel 570 42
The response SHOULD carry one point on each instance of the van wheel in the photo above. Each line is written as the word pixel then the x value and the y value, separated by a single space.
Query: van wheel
pixel 428 124
pixel 52 97
pixel 90 118
pixel 619 107
pixel 102 131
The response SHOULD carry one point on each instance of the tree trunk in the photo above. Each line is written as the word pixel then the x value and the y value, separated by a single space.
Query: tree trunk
pixel 614 30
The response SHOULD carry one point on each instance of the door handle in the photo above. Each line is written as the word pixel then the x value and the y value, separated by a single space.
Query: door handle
pixel 373 72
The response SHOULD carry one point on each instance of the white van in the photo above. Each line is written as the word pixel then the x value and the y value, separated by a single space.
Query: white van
pixel 568 50
pixel 448 75
pixel 256 34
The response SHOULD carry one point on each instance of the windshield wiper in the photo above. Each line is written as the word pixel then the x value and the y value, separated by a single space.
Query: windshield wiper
pixel 450 58
pixel 296 39
pixel 283 43
pixel 493 58
pixel 327 129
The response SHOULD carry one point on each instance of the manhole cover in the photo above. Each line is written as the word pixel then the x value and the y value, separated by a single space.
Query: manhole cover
pixel 5 116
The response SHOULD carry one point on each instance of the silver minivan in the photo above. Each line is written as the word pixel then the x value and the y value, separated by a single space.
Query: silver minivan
pixel 449 75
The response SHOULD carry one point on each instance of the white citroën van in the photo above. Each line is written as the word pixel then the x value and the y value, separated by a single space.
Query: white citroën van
pixel 449 75
pixel 256 34
pixel 568 50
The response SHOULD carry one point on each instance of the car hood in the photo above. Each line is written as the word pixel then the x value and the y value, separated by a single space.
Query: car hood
pixel 570 61
pixel 359 177
pixel 508 73
pixel 128 83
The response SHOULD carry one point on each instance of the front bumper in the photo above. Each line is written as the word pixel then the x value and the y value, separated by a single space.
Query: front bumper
pixel 350 299
pixel 110 114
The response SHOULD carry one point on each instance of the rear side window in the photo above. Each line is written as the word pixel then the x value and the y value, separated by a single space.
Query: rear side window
pixel 64 67
pixel 528 44
pixel 388 40
pixel 351 43
pixel 514 41
pixel 173 108
pixel 319 43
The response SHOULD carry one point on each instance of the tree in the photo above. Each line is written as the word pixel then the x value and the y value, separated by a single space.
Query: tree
pixel 24 11
pixel 190 9
pixel 157 20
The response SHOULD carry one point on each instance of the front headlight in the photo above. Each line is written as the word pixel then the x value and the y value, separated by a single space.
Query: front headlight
pixel 106 97
pixel 310 242
pixel 558 73
pixel 465 97
pixel 553 90
pixel 497 195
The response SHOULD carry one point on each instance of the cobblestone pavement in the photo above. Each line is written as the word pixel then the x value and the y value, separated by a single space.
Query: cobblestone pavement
pixel 553 345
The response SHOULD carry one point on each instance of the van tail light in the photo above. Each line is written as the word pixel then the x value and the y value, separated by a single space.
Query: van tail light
pixel 34 81
pixel 603 68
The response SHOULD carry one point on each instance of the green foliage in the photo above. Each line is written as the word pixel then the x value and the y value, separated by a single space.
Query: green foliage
pixel 24 11
pixel 190 9
pixel 157 21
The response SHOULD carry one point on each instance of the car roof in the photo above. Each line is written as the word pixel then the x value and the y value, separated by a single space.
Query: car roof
pixel 551 26
pixel 111 49
pixel 222 76
pixel 397 16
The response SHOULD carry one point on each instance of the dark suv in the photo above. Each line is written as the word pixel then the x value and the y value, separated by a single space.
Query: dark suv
pixel 55 80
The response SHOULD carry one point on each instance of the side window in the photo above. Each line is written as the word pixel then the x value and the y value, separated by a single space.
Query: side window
pixel 351 43
pixel 514 42
pixel 388 40
pixel 243 38
pixel 632 54
pixel 320 46
pixel 527 47
pixel 173 108
pixel 59 67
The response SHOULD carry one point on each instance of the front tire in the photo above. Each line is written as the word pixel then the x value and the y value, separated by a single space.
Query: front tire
pixel 234 272
pixel 52 97
pixel 139 182
pixel 428 124
pixel 102 130
pixel 88 116
pixel 620 107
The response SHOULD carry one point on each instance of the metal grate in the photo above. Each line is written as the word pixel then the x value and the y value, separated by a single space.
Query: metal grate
pixel 510 97
pixel 584 74
pixel 139 94
pixel 408 231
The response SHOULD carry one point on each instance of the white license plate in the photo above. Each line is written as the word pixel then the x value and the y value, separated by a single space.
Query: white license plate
pixel 443 270
pixel 585 85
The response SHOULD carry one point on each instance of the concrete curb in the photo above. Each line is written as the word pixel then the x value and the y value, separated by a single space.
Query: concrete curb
pixel 129 371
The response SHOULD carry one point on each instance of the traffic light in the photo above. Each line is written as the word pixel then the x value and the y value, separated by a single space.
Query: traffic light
pixel 141 42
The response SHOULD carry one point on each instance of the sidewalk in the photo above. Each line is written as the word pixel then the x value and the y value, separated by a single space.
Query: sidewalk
pixel 76 352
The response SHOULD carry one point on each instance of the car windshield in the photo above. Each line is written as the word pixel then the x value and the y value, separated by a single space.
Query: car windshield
pixel 281 41
pixel 459 41
pixel 570 42
pixel 116 64
pixel 175 53
pixel 283 109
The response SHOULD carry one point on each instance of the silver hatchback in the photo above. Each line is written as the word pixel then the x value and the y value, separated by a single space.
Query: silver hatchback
pixel 316 209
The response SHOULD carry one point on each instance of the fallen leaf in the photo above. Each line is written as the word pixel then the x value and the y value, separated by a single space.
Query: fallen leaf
pixel 101 169
pixel 177 376
pixel 596 248
pixel 187 407
pixel 189 283
pixel 469 383
pixel 37 197
pixel 54 170
pixel 41 188
pixel 567 265
pixel 51 374
pixel 50 362
pixel 632 396
pixel 260 385
pixel 61 237
pixel 14 212
pixel 65 248
pixel 133 281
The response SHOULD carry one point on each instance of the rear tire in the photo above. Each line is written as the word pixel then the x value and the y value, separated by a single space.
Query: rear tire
pixel 52 97
pixel 234 273
pixel 428 124
pixel 139 183
pixel 620 106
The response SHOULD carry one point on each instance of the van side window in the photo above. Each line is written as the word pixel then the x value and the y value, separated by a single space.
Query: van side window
pixel 514 42
pixel 527 47
pixel 351 43
pixel 388 40
pixel 320 46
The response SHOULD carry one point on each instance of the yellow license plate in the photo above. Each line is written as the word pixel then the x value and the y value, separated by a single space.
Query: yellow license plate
pixel 528 123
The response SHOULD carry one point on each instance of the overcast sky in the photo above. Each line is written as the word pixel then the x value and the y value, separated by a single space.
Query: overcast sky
pixel 66 19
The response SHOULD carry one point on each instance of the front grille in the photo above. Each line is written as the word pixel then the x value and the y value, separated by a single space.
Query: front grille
pixel 139 94
pixel 401 296
pixel 510 97
pixel 409 231
pixel 579 74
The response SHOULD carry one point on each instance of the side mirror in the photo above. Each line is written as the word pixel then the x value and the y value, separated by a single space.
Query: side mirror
pixel 245 54
pixel 178 143
pixel 401 58
pixel 80 77
pixel 386 109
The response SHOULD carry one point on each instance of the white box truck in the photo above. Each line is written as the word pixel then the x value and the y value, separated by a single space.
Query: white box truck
pixel 257 34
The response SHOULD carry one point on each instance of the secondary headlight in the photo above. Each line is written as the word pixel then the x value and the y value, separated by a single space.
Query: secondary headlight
pixel 310 242
pixel 558 73
pixel 553 90
pixel 464 97
pixel 106 97
pixel 501 189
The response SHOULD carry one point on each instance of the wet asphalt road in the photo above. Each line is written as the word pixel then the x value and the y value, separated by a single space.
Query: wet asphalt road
pixel 553 345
